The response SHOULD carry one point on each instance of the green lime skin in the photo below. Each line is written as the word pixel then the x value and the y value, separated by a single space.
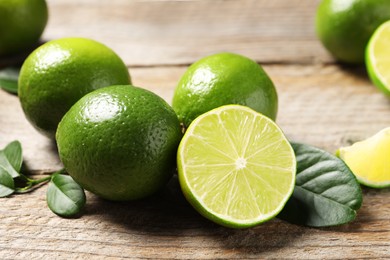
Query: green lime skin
pixel 120 142
pixel 22 24
pixel 59 73
pixel 345 26
pixel 223 79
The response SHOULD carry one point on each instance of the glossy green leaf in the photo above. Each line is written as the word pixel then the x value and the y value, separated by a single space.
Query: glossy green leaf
pixel 14 154
pixel 326 192
pixel 64 196
pixel 9 79
pixel 7 184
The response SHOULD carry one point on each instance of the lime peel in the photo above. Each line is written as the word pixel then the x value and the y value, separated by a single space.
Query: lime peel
pixel 236 167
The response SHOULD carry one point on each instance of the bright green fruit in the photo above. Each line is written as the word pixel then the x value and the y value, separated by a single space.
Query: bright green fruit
pixel 369 159
pixel 236 167
pixel 120 142
pixel 345 26
pixel 59 73
pixel 223 79
pixel 377 58
pixel 22 23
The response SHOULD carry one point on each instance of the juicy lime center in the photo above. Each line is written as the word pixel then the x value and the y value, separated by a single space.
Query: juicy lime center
pixel 239 165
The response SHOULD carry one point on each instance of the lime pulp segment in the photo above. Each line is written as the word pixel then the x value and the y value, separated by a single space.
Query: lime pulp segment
pixel 378 57
pixel 368 159
pixel 236 166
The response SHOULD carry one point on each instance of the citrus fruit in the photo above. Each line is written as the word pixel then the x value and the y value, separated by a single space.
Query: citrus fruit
pixel 377 58
pixel 119 142
pixel 369 159
pixel 22 23
pixel 222 79
pixel 236 167
pixel 345 27
pixel 60 72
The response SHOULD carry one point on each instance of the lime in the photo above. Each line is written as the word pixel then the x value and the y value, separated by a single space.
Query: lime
pixel 223 79
pixel 59 73
pixel 377 58
pixel 236 167
pixel 22 24
pixel 120 142
pixel 345 26
pixel 369 159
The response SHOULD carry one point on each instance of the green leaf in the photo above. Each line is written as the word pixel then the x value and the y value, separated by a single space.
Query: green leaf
pixel 9 79
pixel 13 151
pixel 6 164
pixel 7 184
pixel 326 191
pixel 64 196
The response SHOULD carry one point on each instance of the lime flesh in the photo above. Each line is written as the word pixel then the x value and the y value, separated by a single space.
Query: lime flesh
pixel 378 58
pixel 369 159
pixel 236 167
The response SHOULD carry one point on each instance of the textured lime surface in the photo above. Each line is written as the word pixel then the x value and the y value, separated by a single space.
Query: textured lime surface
pixel 223 79
pixel 22 23
pixel 120 142
pixel 369 159
pixel 345 26
pixel 59 73
pixel 236 167
pixel 377 58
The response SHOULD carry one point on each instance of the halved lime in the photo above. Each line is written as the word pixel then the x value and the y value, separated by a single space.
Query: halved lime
pixel 369 159
pixel 378 57
pixel 236 167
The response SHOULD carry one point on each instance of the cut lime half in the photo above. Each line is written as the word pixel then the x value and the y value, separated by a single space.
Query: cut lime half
pixel 369 159
pixel 236 167
pixel 378 57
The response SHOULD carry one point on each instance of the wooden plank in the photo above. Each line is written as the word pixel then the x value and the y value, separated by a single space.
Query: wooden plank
pixel 150 33
pixel 320 103
pixel 166 227
pixel 326 106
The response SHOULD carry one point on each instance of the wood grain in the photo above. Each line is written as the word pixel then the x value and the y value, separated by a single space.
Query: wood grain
pixel 166 32
pixel 321 103
pixel 326 106
pixel 166 227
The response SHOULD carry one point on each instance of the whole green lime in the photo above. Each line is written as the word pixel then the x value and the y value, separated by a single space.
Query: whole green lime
pixel 22 24
pixel 223 79
pixel 345 26
pixel 120 142
pixel 60 72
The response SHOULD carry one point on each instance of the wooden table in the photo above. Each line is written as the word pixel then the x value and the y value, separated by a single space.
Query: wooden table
pixel 322 103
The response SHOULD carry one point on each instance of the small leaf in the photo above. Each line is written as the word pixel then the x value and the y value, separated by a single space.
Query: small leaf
pixel 64 196
pixel 13 151
pixel 326 191
pixel 7 184
pixel 5 163
pixel 9 79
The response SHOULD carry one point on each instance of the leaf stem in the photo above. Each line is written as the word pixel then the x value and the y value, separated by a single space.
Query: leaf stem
pixel 30 183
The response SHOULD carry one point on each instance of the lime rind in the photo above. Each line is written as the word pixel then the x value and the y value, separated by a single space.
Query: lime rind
pixel 367 161
pixel 372 184
pixel 212 194
pixel 374 62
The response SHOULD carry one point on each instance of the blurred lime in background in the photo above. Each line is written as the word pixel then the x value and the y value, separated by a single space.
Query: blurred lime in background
pixel 22 24
pixel 345 26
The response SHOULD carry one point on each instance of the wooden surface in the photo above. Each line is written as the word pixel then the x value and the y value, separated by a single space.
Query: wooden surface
pixel 321 102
